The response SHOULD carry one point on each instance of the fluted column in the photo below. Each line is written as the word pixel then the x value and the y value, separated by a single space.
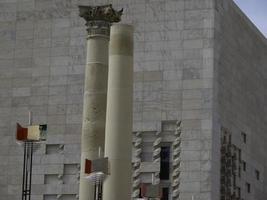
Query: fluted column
pixel 118 145
pixel 98 21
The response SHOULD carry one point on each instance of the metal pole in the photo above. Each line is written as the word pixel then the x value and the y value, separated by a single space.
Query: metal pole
pixel 26 170
pixel 30 152
pixel 27 167
pixel 30 186
pixel 23 178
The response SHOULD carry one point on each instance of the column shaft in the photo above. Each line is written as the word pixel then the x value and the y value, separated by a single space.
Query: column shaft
pixel 94 108
pixel 118 143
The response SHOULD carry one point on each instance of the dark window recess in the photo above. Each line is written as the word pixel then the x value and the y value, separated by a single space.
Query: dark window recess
pixel 248 187
pixel 234 181
pixel 165 163
pixel 165 194
pixel 244 137
pixel 244 165
pixel 238 192
pixel 257 174
pixel 140 193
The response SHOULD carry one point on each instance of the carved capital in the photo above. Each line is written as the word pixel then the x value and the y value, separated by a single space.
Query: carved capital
pixel 99 18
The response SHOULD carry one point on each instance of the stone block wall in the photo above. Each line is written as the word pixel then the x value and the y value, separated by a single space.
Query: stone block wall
pixel 174 80
pixel 178 76
pixel 42 60
pixel 240 96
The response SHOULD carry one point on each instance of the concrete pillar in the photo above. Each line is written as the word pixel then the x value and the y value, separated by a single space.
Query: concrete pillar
pixel 98 21
pixel 118 142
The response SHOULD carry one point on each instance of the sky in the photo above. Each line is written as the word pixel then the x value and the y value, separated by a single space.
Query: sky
pixel 256 10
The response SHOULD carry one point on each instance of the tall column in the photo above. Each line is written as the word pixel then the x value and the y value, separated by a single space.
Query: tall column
pixel 98 21
pixel 118 143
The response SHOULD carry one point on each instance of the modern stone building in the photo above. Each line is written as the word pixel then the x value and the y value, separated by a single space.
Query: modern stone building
pixel 201 62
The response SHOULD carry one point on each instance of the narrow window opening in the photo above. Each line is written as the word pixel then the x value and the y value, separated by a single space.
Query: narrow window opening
pixel 234 181
pixel 240 160
pixel 244 164
pixel 238 192
pixel 244 137
pixel 248 187
pixel 165 194
pixel 165 163
pixel 257 174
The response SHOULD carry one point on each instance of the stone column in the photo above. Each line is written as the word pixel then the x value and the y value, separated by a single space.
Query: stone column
pixel 98 21
pixel 118 143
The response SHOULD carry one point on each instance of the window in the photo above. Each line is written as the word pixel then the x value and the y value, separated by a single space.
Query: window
pixel 234 181
pixel 244 137
pixel 248 187
pixel 165 193
pixel 165 163
pixel 238 192
pixel 257 173
pixel 244 164
pixel 140 193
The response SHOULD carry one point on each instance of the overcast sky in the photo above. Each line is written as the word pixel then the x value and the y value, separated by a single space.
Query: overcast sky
pixel 256 10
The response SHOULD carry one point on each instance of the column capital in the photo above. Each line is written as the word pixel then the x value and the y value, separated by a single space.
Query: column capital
pixel 99 18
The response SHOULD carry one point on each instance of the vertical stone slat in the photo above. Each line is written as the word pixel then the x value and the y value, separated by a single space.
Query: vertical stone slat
pixel 176 162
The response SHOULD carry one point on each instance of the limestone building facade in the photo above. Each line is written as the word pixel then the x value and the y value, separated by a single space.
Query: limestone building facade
pixel 199 97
